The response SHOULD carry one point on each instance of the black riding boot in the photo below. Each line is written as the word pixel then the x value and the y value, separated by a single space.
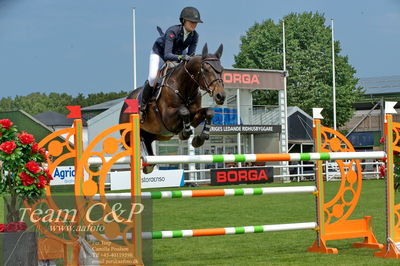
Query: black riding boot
pixel 146 94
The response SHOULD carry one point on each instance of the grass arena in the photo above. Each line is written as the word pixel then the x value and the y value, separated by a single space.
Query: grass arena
pixel 256 225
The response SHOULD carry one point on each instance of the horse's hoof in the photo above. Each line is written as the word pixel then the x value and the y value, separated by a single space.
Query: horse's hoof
pixel 148 169
pixel 184 135
pixel 205 136
pixel 197 141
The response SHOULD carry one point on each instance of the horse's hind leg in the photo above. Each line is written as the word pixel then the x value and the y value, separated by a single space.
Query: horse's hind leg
pixel 185 116
pixel 203 114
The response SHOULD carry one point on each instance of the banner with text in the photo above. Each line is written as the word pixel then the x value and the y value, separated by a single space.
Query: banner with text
pixel 253 79
pixel 157 179
pixel 244 175
pixel 250 129
pixel 63 175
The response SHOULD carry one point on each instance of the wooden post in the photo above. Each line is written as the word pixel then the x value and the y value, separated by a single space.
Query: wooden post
pixel 136 190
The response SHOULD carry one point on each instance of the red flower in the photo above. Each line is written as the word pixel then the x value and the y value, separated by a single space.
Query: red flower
pixel 43 180
pixel 48 175
pixel 11 227
pixel 26 138
pixel 35 147
pixel 42 151
pixel 1 134
pixel 2 228
pixel 21 226
pixel 382 140
pixel 6 123
pixel 8 146
pixel 33 167
pixel 40 185
pixel 27 180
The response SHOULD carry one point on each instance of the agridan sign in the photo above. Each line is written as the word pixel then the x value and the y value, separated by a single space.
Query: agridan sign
pixel 245 175
pixel 251 129
pixel 63 175
pixel 253 79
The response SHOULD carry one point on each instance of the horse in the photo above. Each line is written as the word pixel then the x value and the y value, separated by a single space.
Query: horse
pixel 178 106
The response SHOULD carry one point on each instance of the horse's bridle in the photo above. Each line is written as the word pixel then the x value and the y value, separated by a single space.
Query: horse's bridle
pixel 207 85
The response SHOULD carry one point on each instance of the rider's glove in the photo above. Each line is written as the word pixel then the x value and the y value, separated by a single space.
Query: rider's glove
pixel 183 57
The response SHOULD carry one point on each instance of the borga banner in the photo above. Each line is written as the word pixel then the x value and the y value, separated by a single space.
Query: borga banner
pixel 243 175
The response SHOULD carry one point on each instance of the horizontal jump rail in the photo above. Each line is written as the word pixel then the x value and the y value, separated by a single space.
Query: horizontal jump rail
pixel 266 157
pixel 213 192
pixel 228 230
pixel 99 161
pixel 219 231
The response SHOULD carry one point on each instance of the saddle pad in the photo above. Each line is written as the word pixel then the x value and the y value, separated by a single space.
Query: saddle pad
pixel 161 77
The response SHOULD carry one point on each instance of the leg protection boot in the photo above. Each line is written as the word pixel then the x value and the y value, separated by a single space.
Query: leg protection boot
pixel 146 94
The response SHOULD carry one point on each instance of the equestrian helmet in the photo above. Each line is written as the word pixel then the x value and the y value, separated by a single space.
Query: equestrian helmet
pixel 191 14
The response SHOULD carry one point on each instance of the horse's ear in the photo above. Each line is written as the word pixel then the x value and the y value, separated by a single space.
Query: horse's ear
pixel 218 53
pixel 204 53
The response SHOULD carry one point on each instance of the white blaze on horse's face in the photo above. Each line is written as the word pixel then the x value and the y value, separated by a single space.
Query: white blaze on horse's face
pixel 219 95
pixel 216 84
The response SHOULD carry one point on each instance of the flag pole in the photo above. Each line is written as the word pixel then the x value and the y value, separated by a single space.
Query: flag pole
pixel 134 46
pixel 333 79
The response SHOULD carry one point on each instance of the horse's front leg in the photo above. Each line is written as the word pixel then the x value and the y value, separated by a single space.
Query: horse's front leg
pixel 206 115
pixel 184 114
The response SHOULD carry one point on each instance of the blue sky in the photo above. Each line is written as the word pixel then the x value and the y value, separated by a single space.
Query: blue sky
pixel 85 46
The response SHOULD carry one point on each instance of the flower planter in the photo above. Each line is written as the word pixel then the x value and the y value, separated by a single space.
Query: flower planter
pixel 18 249
pixel 23 178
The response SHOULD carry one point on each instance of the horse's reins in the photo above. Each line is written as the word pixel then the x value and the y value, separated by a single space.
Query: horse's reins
pixel 207 87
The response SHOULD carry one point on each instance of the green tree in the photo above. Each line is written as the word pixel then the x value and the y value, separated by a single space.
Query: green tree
pixel 37 102
pixel 308 61
pixel 6 103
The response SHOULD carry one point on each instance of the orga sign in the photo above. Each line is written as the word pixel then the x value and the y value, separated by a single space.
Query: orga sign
pixel 157 179
pixel 253 79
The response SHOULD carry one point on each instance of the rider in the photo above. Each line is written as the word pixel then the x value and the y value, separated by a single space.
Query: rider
pixel 170 47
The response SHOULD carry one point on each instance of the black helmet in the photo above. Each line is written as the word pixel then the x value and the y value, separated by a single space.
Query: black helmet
pixel 191 14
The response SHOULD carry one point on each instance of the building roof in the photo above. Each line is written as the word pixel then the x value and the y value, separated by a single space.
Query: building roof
pixel 299 122
pixel 262 116
pixel 103 106
pixel 381 85
pixel 26 122
pixel 51 118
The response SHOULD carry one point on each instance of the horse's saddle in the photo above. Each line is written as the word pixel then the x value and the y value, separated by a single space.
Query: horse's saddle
pixel 162 75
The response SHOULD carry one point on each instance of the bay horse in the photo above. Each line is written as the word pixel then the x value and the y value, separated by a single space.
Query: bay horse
pixel 178 106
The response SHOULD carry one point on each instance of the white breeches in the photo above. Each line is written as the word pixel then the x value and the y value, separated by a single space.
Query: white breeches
pixel 155 64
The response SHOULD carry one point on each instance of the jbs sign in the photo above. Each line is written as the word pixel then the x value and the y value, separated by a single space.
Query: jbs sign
pixel 253 79
pixel 250 175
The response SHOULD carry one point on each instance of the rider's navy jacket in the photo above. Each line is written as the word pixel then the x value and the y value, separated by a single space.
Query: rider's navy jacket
pixel 171 44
